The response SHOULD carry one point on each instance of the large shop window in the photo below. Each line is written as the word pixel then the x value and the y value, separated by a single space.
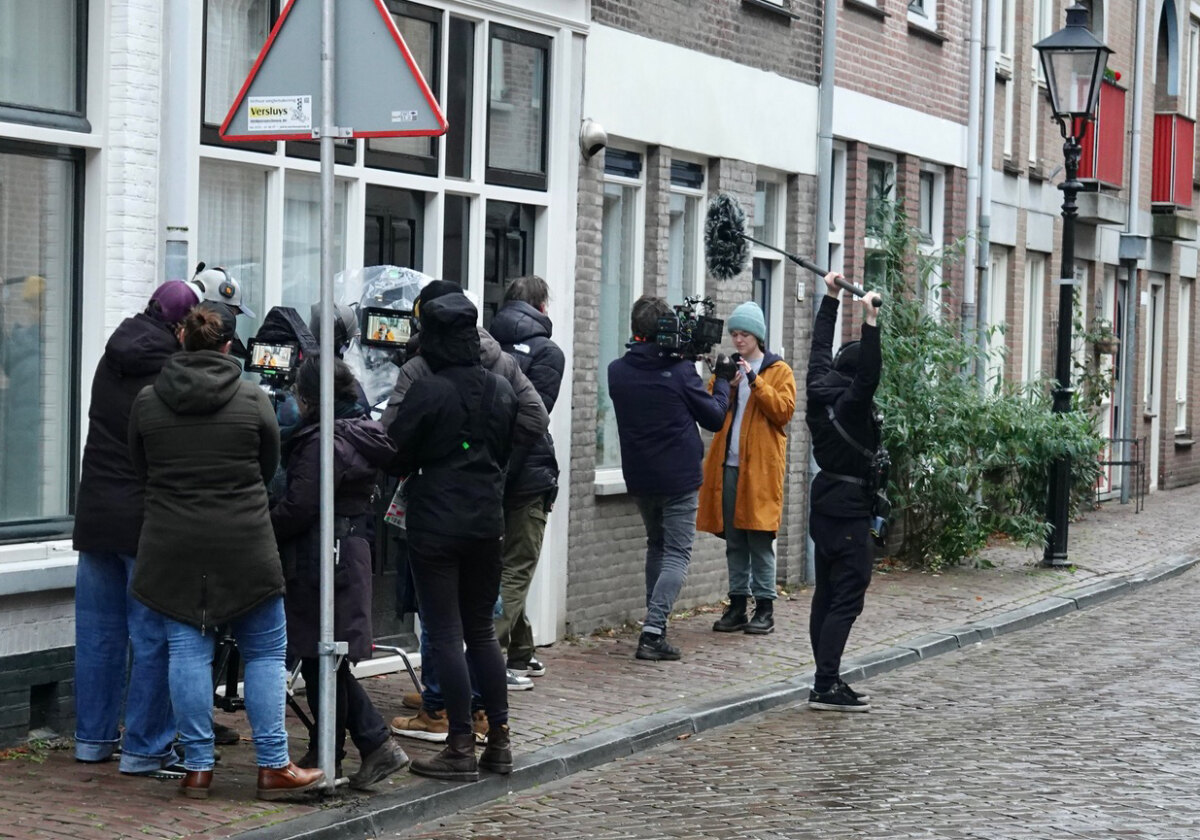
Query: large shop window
pixel 620 255
pixel 421 28
pixel 39 286
pixel 43 56
pixel 518 90
pixel 302 239
pixel 234 33
pixel 232 230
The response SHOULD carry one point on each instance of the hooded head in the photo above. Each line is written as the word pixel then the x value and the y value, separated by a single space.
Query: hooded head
pixel 345 325
pixel 433 290
pixel 449 335
pixel 846 360
pixel 171 302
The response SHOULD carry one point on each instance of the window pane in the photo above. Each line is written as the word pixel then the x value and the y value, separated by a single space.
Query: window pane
pixel 39 47
pixel 232 230
pixel 422 39
pixel 394 227
pixel 766 208
pixel 460 98
pixel 681 247
pixel 237 30
pixel 302 239
pixel 925 209
pixel 36 302
pixel 617 262
pixel 880 180
pixel 456 252
pixel 762 291
pixel 507 250
pixel 516 107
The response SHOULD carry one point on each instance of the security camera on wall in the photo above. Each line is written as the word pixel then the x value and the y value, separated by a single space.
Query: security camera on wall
pixel 592 138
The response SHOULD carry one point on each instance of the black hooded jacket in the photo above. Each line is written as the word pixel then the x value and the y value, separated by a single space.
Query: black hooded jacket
pixel 852 399
pixel 454 429
pixel 108 515
pixel 206 442
pixel 524 333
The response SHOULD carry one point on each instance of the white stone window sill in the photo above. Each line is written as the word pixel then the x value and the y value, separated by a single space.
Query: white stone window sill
pixel 36 567
pixel 609 482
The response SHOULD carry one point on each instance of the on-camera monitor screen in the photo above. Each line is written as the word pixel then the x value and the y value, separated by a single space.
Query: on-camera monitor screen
pixel 386 327
pixel 268 357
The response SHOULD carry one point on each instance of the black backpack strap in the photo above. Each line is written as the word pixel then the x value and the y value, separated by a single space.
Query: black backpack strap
pixel 858 447
pixel 486 403
pixel 849 479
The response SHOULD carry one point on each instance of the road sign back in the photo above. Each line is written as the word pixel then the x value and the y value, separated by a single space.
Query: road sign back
pixel 378 89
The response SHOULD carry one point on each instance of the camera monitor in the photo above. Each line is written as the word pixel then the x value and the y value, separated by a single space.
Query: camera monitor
pixel 386 327
pixel 277 358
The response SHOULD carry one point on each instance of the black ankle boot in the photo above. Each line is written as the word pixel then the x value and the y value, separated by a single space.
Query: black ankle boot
pixel 734 617
pixel 764 617
pixel 497 755
pixel 455 763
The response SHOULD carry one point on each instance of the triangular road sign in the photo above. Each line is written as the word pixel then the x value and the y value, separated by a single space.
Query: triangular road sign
pixel 378 89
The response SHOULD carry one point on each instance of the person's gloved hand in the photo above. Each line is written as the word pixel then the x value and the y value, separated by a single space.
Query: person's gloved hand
pixel 724 368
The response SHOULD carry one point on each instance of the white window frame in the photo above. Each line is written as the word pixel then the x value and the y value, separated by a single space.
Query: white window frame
pixel 997 312
pixel 1079 349
pixel 1008 22
pixel 1033 333
pixel 696 246
pixel 872 243
pixel 926 18
pixel 1190 69
pixel 1183 353
pixel 932 291
pixel 757 252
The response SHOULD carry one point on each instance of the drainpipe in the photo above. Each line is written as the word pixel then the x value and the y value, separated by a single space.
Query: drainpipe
pixel 824 183
pixel 983 261
pixel 1132 248
pixel 175 147
pixel 972 159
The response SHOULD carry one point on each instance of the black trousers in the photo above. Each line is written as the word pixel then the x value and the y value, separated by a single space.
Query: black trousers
pixel 458 581
pixel 355 713
pixel 844 558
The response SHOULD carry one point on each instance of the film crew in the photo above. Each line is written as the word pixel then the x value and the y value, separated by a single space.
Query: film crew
pixel 454 433
pixel 523 329
pixel 219 286
pixel 112 627
pixel 430 723
pixel 361 448
pixel 742 495
pixel 205 443
pixel 658 399
pixel 841 419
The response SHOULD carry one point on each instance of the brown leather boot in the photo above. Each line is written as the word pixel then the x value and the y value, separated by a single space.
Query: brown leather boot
pixel 277 783
pixel 455 763
pixel 497 755
pixel 196 783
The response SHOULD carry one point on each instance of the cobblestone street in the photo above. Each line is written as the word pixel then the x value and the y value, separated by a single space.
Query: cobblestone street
pixel 1083 727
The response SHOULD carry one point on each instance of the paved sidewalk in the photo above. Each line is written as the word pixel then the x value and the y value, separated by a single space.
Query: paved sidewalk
pixel 597 702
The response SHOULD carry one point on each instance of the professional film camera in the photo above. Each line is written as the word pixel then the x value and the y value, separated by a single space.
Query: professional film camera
pixel 691 333
pixel 276 350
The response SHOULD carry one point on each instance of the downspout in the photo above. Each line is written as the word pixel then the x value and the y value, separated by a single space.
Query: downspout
pixel 972 161
pixel 983 262
pixel 1133 247
pixel 824 200
pixel 176 146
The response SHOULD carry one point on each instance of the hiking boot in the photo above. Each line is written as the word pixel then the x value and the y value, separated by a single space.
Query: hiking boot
pixel 734 617
pixel 424 726
pixel 516 682
pixel 281 782
pixel 455 763
pixel 377 765
pixel 764 618
pixel 411 700
pixel 225 736
pixel 836 699
pixel 480 722
pixel 656 648
pixel 530 668
pixel 497 755
pixel 308 761
pixel 195 784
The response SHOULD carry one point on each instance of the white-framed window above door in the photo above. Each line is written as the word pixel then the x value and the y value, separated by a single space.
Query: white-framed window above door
pixel 685 243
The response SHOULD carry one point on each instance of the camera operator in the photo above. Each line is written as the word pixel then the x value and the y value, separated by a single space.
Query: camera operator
pixel 841 418
pixel 658 399
pixel 742 496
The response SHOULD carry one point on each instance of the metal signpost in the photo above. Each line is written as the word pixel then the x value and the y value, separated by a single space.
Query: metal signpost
pixel 364 85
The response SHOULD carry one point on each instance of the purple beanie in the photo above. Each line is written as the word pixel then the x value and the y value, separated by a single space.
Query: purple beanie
pixel 172 301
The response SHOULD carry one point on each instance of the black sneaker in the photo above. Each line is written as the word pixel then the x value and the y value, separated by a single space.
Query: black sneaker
pixel 857 695
pixel 656 649
pixel 531 668
pixel 170 771
pixel 837 699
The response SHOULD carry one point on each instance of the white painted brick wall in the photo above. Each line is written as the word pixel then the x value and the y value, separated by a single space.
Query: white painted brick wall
pixel 36 621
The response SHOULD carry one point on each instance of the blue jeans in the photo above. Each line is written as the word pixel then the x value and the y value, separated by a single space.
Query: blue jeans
pixel 750 555
pixel 670 531
pixel 262 642
pixel 108 621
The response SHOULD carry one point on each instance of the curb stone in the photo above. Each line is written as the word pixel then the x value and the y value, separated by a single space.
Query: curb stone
pixel 389 813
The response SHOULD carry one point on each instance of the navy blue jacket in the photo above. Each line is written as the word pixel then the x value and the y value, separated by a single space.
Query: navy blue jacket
pixel 658 402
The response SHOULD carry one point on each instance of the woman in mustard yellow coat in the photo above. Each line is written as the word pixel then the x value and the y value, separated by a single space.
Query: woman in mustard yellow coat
pixel 742 495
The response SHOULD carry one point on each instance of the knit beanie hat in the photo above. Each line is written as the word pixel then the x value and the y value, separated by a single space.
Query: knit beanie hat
pixel 171 301
pixel 748 317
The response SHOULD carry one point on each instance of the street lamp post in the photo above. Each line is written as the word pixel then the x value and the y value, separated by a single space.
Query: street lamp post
pixel 1073 61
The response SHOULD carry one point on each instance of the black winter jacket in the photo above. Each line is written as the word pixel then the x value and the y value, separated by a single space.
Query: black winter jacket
pixel 206 442
pixel 108 515
pixel 524 333
pixel 853 405
pixel 360 448
pixel 658 401
pixel 454 431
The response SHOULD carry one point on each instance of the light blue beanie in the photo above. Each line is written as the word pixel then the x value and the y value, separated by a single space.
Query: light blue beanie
pixel 748 317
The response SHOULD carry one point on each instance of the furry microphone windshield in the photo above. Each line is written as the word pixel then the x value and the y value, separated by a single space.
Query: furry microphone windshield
pixel 726 248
